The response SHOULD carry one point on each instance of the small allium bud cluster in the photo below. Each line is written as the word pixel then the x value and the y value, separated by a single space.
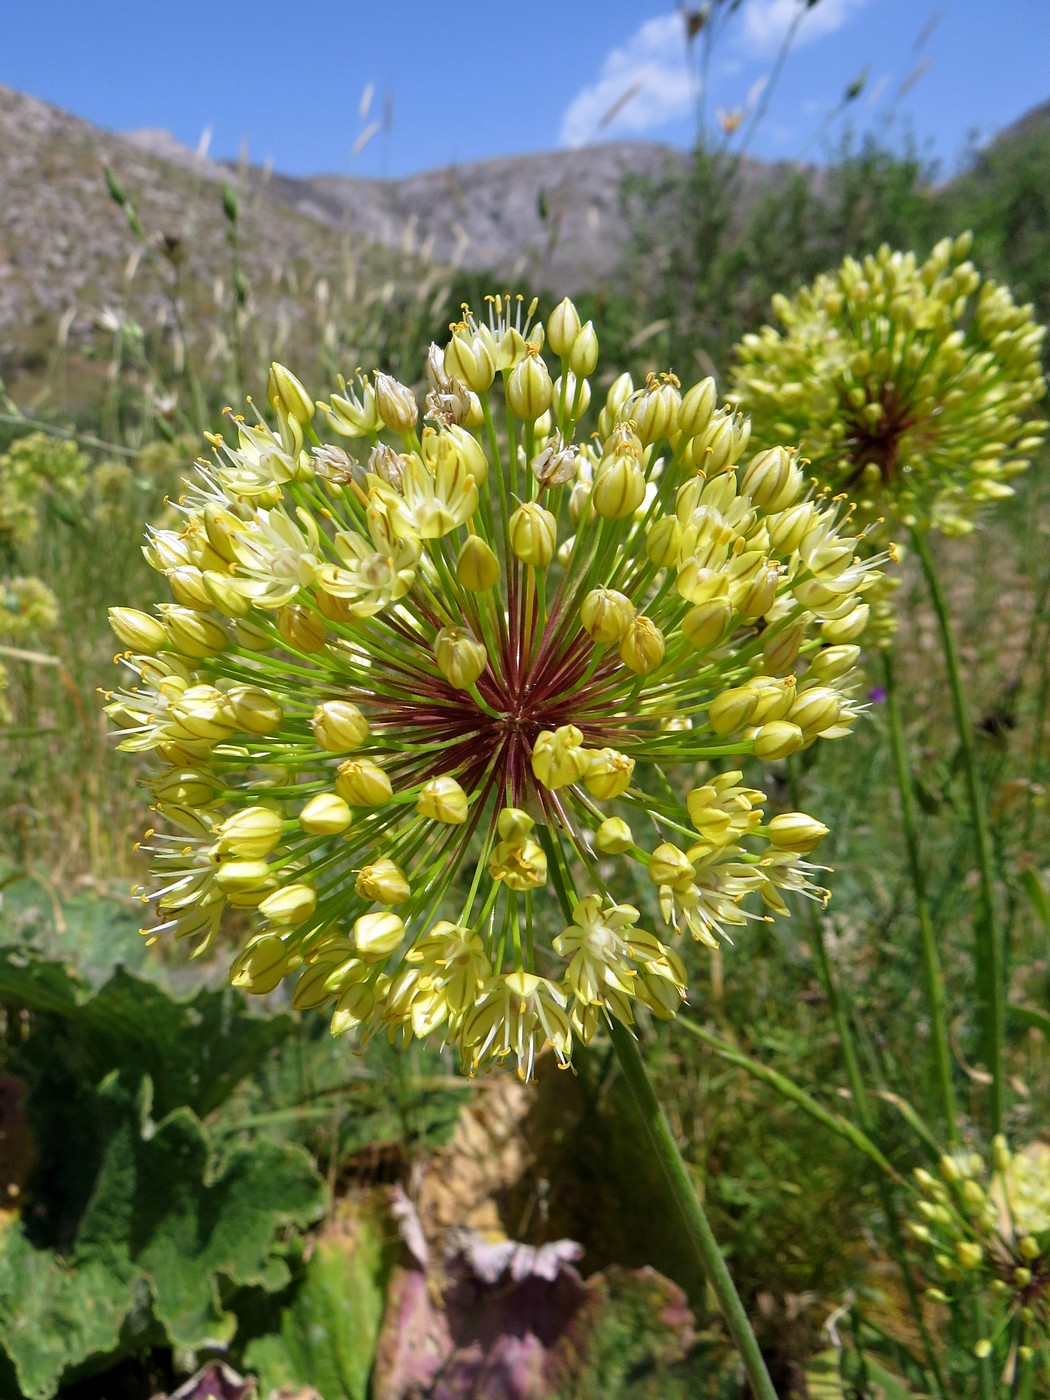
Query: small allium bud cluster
pixel 417 689
pixel 908 385
pixel 983 1230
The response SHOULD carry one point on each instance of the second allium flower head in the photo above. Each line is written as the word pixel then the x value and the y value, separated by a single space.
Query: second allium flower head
pixel 428 682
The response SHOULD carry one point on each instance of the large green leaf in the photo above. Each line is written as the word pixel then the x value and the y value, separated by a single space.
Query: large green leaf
pixel 327 1334
pixel 167 1226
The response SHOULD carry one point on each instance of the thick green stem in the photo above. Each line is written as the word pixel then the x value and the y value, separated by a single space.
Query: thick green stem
pixel 692 1211
pixel 988 952
pixel 931 963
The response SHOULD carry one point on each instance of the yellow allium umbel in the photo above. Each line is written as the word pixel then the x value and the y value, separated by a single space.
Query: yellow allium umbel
pixel 432 673
pixel 908 385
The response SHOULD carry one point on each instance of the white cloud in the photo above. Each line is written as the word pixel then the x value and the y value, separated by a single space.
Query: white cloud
pixel 653 64
pixel 764 23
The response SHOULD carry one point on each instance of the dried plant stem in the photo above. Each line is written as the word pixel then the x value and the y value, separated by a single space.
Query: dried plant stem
pixel 692 1211
pixel 988 951
pixel 931 963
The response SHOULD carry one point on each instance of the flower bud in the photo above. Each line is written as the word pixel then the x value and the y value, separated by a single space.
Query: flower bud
pixel 777 739
pixel 327 814
pixel 574 388
pixel 533 534
pixel 185 787
pixel 832 663
pixel 443 800
pixel 138 630
pixel 339 726
pixel 606 615
pixel 396 404
pixel 663 542
pixel 732 710
pixel 583 357
pixel 251 833
pixel 794 831
pixel 363 783
pixel 460 657
pixel 558 757
pixel 1029 1247
pixel 378 935
pixel 613 837
pixel 232 597
pixel 301 628
pixel 969 1253
pixel 529 388
pixel 848 628
pixel 608 774
pixel 471 359
pixel 287 396
pixel 563 326
pixel 789 528
pixel 670 866
pixel 780 648
pixel 698 404
pixel 772 479
pixel 244 877
pixel 189 588
pixel 654 411
pixel 619 488
pixel 192 633
pixel 468 450
pixel 642 646
pixel 705 624
pixel 815 710
pixel 384 882
pixel 261 965
pixel 513 824
pixel 290 905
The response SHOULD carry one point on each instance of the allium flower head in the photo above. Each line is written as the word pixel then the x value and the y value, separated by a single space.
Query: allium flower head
pixel 984 1228
pixel 424 696
pixel 909 385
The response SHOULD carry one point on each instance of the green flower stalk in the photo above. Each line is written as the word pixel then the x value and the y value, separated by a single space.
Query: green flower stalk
pixel 909 385
pixel 465 661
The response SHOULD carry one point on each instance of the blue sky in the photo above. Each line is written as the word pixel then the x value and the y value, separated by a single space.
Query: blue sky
pixel 388 89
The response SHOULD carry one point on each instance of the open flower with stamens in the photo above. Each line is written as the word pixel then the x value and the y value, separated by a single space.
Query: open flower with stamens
pixel 909 385
pixel 421 688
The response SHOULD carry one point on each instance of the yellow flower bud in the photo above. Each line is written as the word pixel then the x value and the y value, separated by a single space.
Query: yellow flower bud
pixel 378 935
pixel 642 646
pixel 816 710
pixel 663 542
pixel 188 587
pixel 563 326
pixel 477 567
pixel 777 739
pixel 832 663
pixel 472 359
pixel 460 657
pixel 608 774
pixel 613 837
pixel 470 452
pixel 772 479
pixel 244 877
pixel 533 534
pixel 192 633
pixel 606 615
pixel 185 787
pixel 795 831
pixel 698 404
pixel 363 783
pixel 230 596
pixel 583 357
pixel 780 648
pixel 1029 1247
pixel 291 904
pixel 513 824
pixel 222 528
pixel 383 881
pixel 396 404
pixel 254 711
pixel 529 388
pixel 655 411
pixel 619 488
pixel 558 757
pixel 251 833
pixel 773 699
pixel 339 726
pixel 138 630
pixel 670 866
pixel 301 628
pixel 443 800
pixel 327 814
pixel 287 396
pixel 203 713
pixel 261 965
pixel 848 628
pixel 705 624
pixel 969 1253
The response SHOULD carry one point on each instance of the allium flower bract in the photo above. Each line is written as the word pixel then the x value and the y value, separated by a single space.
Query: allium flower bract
pixel 428 689
pixel 909 385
